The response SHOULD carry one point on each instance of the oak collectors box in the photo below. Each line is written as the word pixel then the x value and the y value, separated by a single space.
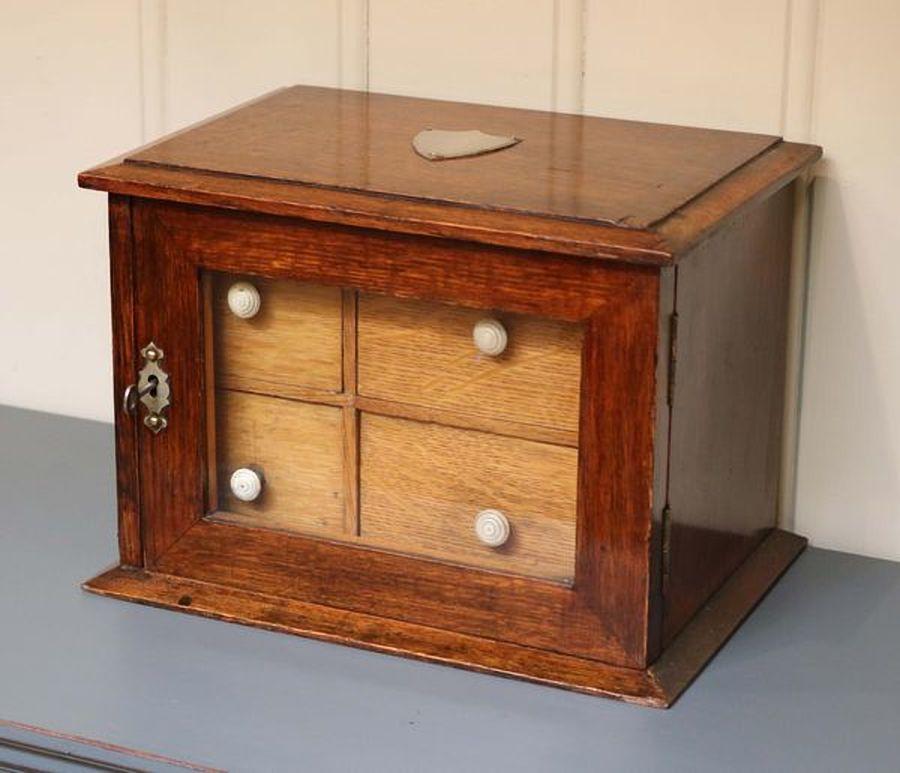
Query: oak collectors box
pixel 517 411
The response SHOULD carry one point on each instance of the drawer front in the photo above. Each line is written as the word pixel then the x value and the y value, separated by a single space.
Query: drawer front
pixel 424 354
pixel 422 486
pixel 290 345
pixel 296 450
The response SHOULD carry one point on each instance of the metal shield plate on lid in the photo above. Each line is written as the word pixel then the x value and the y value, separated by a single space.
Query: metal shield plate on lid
pixel 441 144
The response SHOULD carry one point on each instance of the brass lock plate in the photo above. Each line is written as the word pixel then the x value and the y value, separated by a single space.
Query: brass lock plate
pixel 152 389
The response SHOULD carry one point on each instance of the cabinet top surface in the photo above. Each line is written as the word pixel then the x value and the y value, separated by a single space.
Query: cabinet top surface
pixel 311 142
pixel 571 166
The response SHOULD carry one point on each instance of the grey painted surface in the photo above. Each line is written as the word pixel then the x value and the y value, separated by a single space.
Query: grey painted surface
pixel 810 683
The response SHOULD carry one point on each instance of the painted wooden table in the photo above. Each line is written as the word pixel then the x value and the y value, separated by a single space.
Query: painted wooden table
pixel 810 682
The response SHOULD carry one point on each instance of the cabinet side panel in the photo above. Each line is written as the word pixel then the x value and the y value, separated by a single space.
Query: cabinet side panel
pixel 660 460
pixel 121 262
pixel 732 295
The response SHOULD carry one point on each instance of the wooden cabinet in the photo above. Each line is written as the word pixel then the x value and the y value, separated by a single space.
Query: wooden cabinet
pixel 519 412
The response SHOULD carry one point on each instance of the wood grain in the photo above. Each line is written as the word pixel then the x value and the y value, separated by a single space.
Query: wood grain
pixel 349 338
pixel 659 686
pixel 606 612
pixel 207 284
pixel 125 367
pixel 728 402
pixel 494 425
pixel 615 532
pixel 663 414
pixel 612 198
pixel 294 341
pixel 351 576
pixel 560 437
pixel 298 448
pixel 619 172
pixel 735 195
pixel 389 636
pixel 350 415
pixel 321 205
pixel 421 486
pixel 423 354
pixel 466 274
pixel 168 311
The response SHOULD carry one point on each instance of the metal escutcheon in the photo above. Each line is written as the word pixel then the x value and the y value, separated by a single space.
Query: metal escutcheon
pixel 152 390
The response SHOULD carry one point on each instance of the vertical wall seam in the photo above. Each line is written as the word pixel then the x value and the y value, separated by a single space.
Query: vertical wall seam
pixel 152 52
pixel 163 66
pixel 554 57
pixel 353 44
pixel 815 84
pixel 800 319
pixel 802 32
pixel 786 65
pixel 368 39
pixel 582 57
pixel 142 79
pixel 339 42
pixel 567 56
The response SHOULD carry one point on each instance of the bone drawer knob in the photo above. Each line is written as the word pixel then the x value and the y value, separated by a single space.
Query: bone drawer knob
pixel 244 300
pixel 492 528
pixel 490 337
pixel 246 484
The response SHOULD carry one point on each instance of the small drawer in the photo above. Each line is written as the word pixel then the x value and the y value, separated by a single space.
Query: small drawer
pixel 426 354
pixel 424 486
pixel 276 336
pixel 280 464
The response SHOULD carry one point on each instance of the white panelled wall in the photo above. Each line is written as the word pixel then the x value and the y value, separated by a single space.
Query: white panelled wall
pixel 80 82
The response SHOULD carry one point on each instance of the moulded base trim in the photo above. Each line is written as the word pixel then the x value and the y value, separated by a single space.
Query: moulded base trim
pixel 658 686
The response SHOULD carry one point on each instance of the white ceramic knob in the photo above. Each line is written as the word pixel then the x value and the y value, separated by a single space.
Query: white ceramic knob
pixel 490 337
pixel 246 484
pixel 244 300
pixel 492 528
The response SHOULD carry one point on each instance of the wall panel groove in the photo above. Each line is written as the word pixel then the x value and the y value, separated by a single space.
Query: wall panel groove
pixel 353 44
pixel 567 64
pixel 799 69
pixel 152 47
pixel 848 482
pixel 801 34
pixel 222 52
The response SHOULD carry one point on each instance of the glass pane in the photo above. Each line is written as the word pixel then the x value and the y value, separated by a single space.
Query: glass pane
pixel 416 427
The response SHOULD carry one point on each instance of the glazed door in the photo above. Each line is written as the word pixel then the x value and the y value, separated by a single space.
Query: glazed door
pixel 448 435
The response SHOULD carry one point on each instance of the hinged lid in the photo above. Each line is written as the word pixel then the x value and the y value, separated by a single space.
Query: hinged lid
pixel 571 179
